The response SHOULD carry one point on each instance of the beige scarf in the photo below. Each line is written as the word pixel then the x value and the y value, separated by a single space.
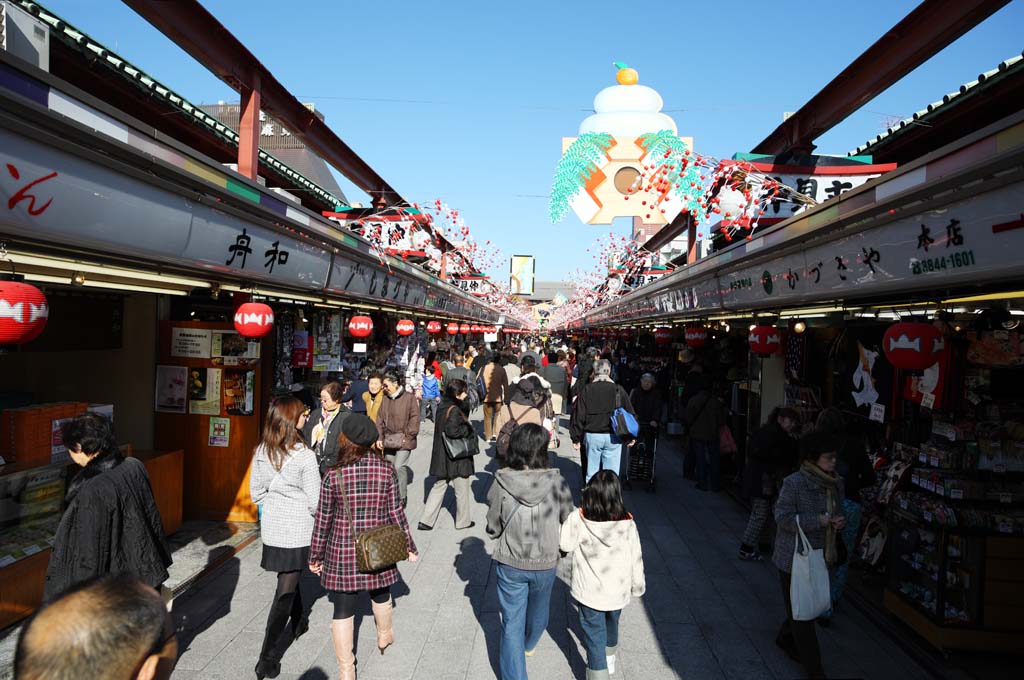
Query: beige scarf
pixel 830 483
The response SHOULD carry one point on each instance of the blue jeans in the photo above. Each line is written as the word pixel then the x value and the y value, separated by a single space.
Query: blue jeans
pixel 525 601
pixel 604 451
pixel 852 513
pixel 709 464
pixel 600 635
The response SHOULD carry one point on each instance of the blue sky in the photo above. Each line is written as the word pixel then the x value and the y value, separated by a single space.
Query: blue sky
pixel 468 101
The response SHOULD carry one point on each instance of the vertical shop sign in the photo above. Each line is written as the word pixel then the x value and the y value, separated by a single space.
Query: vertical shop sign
pixel 204 391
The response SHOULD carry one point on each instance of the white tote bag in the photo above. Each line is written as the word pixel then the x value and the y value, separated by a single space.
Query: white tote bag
pixel 809 587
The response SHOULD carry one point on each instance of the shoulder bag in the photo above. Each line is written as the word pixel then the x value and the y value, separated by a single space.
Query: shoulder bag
pixel 461 447
pixel 377 548
pixel 392 440
pixel 624 423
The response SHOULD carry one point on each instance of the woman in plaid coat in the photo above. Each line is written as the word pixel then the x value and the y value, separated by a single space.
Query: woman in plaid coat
pixel 369 485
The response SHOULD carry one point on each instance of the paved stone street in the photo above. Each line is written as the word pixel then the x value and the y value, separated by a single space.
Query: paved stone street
pixel 706 614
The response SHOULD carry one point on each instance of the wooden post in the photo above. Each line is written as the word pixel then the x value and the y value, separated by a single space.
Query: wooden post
pixel 249 133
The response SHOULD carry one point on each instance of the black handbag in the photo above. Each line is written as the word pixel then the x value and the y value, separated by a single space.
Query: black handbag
pixel 460 447
pixel 377 548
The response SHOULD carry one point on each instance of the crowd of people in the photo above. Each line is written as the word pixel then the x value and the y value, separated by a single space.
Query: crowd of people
pixel 326 475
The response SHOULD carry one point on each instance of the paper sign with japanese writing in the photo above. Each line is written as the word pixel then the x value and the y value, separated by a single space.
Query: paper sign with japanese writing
pixel 192 343
pixel 220 432
pixel 209 403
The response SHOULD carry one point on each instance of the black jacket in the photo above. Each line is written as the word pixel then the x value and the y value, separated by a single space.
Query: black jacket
pixel 647 404
pixel 586 370
pixel 456 425
pixel 111 526
pixel 594 408
pixel 354 393
pixel 771 456
pixel 327 452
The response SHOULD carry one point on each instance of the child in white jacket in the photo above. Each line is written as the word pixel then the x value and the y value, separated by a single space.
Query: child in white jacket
pixel 607 568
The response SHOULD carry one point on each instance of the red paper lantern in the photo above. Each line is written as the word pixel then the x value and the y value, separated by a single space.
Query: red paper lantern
pixel 23 311
pixel 405 327
pixel 913 346
pixel 696 336
pixel 765 340
pixel 663 335
pixel 625 333
pixel 464 329
pixel 254 319
pixel 474 328
pixel 360 326
pixel 434 327
pixel 453 328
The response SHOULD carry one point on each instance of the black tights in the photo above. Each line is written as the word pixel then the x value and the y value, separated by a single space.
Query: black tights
pixel 287 605
pixel 287 583
pixel 345 603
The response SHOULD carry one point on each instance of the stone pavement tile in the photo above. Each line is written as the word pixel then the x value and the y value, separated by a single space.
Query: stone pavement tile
pixel 483 661
pixel 670 543
pixel 736 654
pixel 643 666
pixel 688 652
pixel 665 601
pixel 237 657
pixel 448 660
pixel 638 631
pixel 781 666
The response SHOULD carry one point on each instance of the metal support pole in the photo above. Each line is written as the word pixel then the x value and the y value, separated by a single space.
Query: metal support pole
pixel 249 132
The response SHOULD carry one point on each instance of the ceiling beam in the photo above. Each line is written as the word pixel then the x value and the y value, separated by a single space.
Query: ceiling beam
pixel 199 33
pixel 928 29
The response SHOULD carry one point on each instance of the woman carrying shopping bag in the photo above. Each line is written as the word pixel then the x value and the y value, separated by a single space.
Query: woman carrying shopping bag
pixel 808 511
pixel 607 568
pixel 452 465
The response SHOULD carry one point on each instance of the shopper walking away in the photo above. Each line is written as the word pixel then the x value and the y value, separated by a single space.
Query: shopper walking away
pixel 607 568
pixel 430 393
pixel 526 504
pixel 557 377
pixel 322 428
pixel 495 389
pixel 854 467
pixel 354 394
pixel 693 383
pixel 511 366
pixel 359 493
pixel 111 524
pixel 705 416
pixel 770 457
pixel 398 422
pixel 374 395
pixel 452 422
pixel 285 482
pixel 815 495
pixel 592 419
pixel 527 406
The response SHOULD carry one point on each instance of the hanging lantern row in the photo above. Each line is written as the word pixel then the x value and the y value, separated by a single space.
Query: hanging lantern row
pixel 765 340
pixel 453 328
pixel 405 327
pixel 254 319
pixel 913 346
pixel 663 335
pixel 696 336
pixel 434 327
pixel 25 311
pixel 360 326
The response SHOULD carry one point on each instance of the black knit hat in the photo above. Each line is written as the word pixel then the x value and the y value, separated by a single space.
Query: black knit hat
pixel 359 430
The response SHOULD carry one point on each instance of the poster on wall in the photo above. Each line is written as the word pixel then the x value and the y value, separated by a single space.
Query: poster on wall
pixel 231 349
pixel 239 389
pixel 171 389
pixel 302 349
pixel 204 391
pixel 58 452
pixel 191 343
pixel 327 347
pixel 220 432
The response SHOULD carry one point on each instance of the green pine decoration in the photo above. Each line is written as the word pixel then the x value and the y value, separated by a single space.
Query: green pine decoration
pixel 576 166
pixel 683 177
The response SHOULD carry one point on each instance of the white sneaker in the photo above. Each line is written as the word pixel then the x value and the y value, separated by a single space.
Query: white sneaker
pixel 611 664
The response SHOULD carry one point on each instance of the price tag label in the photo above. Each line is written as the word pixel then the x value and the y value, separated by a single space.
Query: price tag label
pixel 1006 527
pixel 877 413
pixel 941 490
pixel 927 516
pixel 956 494
pixel 1005 497
pixel 933 461
pixel 923 457
pixel 31 549
pixel 7 559
pixel 927 400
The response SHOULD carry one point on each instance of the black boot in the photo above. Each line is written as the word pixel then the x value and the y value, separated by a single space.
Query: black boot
pixel 269 665
pixel 299 616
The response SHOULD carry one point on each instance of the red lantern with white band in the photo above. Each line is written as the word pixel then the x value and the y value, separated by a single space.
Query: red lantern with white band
pixel 696 336
pixel 663 336
pixel 453 328
pixel 464 329
pixel 254 319
pixel 765 340
pixel 405 327
pixel 434 327
pixel 913 346
pixel 360 326
pixel 23 311
pixel 475 328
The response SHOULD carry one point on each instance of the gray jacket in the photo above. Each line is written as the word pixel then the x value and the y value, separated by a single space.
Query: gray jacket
pixel 799 496
pixel 525 511
pixel 289 497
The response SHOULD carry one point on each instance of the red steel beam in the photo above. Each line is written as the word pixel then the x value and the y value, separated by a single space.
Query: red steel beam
pixel 249 133
pixel 929 28
pixel 198 32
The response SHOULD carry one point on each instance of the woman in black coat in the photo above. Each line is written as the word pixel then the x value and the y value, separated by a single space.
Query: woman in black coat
pixel 453 420
pixel 111 524
pixel 770 457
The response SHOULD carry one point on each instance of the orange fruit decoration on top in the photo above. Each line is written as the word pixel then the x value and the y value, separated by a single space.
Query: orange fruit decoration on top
pixel 626 75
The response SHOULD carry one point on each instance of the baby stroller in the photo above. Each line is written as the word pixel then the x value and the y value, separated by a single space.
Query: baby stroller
pixel 642 457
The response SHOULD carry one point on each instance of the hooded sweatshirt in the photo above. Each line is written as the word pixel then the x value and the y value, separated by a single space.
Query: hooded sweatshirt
pixel 525 509
pixel 607 565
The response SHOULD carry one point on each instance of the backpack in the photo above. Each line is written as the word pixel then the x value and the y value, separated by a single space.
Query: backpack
pixel 504 438
pixel 462 373
pixel 624 424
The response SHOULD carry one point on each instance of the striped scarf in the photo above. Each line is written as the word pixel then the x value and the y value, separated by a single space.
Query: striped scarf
pixel 830 483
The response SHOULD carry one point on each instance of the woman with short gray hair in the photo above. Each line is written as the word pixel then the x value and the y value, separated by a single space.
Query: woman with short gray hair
pixel 591 421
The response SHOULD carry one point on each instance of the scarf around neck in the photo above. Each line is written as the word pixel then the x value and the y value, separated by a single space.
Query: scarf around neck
pixel 830 483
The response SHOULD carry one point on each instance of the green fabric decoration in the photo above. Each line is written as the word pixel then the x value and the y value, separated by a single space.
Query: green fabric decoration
pixel 576 166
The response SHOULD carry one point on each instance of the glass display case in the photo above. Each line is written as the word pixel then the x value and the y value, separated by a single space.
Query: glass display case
pixel 30 507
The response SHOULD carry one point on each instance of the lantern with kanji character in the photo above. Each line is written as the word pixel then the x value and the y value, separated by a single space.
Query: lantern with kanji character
pixel 913 346
pixel 434 327
pixel 464 329
pixel 254 319
pixel 23 311
pixel 696 336
pixel 453 328
pixel 405 327
pixel 765 340
pixel 663 335
pixel 360 326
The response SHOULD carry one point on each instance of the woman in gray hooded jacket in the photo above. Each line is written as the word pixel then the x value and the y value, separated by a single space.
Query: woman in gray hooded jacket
pixel 527 502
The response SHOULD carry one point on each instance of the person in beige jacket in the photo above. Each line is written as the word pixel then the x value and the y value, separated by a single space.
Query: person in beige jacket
pixel 607 568
pixel 496 384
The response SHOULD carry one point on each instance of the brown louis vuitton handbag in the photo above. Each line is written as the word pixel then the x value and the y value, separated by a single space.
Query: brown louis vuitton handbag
pixel 378 548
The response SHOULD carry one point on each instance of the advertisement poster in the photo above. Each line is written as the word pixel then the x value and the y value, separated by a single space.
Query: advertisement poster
pixel 171 389
pixel 58 452
pixel 327 348
pixel 234 350
pixel 204 391
pixel 239 388
pixel 302 349
pixel 220 431
pixel 521 274
pixel 193 343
